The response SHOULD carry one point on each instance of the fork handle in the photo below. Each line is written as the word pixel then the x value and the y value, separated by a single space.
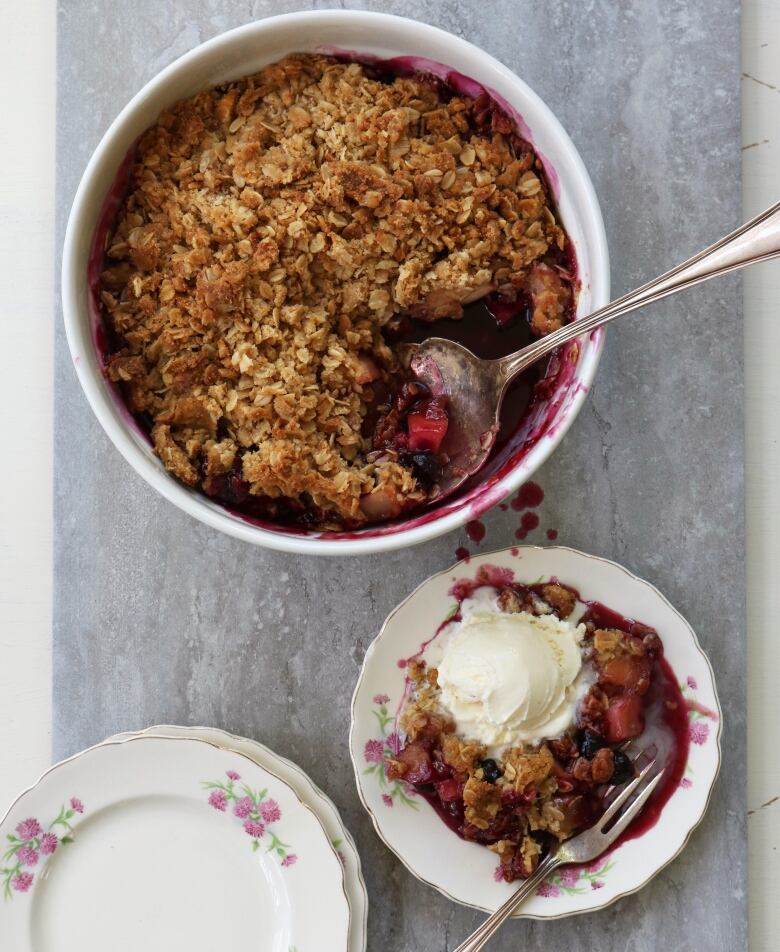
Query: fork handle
pixel 480 937
pixel 756 240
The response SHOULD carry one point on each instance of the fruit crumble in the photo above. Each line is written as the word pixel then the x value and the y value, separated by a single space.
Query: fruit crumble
pixel 276 238
pixel 518 769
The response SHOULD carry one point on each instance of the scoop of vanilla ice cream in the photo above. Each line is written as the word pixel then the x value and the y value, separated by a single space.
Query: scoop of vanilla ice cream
pixel 510 678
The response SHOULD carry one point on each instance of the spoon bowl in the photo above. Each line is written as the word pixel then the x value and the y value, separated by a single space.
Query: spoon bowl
pixel 474 390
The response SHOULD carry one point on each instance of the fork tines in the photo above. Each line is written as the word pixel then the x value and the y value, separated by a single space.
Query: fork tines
pixel 635 806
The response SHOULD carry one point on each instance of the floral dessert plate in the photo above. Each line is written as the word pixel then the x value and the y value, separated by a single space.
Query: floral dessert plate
pixel 311 795
pixel 162 843
pixel 466 871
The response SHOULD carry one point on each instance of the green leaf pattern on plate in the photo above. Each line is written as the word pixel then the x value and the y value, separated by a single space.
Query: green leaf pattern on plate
pixel 379 750
pixel 256 811
pixel 576 880
pixel 31 844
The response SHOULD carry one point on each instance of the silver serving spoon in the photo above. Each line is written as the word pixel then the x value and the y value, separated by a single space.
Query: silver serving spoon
pixel 475 388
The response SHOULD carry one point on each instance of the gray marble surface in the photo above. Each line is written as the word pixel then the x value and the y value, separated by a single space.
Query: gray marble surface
pixel 157 618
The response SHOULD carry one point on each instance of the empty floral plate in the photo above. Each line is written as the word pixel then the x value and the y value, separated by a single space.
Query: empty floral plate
pixel 466 871
pixel 340 837
pixel 167 843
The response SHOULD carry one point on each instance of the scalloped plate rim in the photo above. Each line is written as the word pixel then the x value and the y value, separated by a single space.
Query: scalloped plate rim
pixel 139 738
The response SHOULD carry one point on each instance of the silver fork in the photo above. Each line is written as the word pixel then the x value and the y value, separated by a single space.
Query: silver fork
pixel 583 848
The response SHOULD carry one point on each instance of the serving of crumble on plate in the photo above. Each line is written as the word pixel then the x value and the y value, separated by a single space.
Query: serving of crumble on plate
pixel 515 789
pixel 274 239
pixel 471 814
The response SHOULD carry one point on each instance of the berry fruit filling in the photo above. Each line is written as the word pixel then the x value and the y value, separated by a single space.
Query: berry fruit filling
pixel 411 427
pixel 518 800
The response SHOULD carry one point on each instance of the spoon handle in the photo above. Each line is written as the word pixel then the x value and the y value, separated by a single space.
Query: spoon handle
pixel 479 938
pixel 756 240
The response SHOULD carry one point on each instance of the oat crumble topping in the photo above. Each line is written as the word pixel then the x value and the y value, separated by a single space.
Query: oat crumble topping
pixel 273 232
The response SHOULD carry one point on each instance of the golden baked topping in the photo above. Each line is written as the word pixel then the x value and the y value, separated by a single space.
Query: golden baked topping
pixel 273 229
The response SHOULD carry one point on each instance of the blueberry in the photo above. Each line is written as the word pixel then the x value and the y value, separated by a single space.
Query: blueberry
pixel 490 770
pixel 590 743
pixel 426 469
pixel 624 768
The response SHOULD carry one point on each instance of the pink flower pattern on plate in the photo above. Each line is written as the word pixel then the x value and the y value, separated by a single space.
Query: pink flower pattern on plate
pixel 256 811
pixel 28 829
pixel 698 726
pixel 30 844
pixel 22 882
pixel 394 741
pixel 576 880
pixel 548 889
pixel 270 812
pixel 49 843
pixel 698 732
pixel 27 856
pixel 374 751
pixel 569 875
pixel 377 751
pixel 218 800
pixel 254 828
pixel 243 808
